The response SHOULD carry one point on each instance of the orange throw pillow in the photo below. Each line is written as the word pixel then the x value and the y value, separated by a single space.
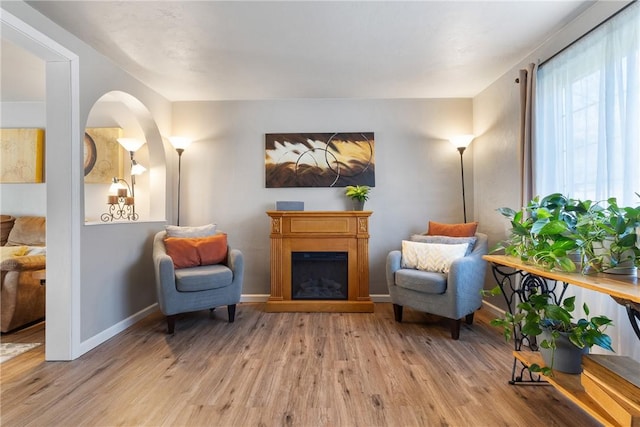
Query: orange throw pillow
pixel 452 230
pixel 194 251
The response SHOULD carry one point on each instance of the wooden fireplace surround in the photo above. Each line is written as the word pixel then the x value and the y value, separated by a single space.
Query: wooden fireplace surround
pixel 320 231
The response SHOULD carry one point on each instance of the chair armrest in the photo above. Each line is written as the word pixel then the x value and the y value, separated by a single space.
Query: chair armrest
pixel 394 260
pixel 163 265
pixel 467 273
pixel 22 263
pixel 235 261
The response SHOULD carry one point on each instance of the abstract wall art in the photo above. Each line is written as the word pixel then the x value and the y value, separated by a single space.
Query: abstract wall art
pixel 21 155
pixel 103 155
pixel 319 159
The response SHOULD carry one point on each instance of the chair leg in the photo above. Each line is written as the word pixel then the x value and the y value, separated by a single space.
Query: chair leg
pixel 455 328
pixel 171 323
pixel 469 319
pixel 397 312
pixel 232 312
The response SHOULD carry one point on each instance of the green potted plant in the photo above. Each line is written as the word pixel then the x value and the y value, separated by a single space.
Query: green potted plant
pixel 608 237
pixel 358 194
pixel 563 340
pixel 543 233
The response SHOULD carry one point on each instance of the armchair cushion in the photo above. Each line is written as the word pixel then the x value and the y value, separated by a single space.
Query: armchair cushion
pixel 421 281
pixel 435 257
pixel 192 252
pixel 467 229
pixel 28 231
pixel 203 278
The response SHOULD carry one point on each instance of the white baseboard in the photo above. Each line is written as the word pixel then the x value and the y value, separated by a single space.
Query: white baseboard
pixel 254 297
pixel 494 310
pixel 380 298
pixel 103 336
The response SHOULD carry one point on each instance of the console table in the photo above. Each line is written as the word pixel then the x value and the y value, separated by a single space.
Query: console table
pixel 321 231
pixel 516 278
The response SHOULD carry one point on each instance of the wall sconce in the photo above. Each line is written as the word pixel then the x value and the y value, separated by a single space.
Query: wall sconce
pixel 179 143
pixel 121 205
pixel 461 142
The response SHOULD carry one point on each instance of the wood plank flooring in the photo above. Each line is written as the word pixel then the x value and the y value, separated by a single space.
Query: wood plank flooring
pixel 284 369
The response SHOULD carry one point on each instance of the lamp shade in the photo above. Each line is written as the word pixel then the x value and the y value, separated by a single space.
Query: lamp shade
pixel 461 141
pixel 180 142
pixel 137 168
pixel 115 186
pixel 131 144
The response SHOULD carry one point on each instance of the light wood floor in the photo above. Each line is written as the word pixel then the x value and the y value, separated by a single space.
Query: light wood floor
pixel 284 369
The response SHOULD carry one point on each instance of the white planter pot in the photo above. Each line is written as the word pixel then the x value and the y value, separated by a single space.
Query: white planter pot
pixel 626 268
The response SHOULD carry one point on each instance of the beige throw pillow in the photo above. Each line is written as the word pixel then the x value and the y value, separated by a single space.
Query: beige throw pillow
pixel 434 257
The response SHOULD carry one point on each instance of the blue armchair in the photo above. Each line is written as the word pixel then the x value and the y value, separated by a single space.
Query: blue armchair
pixel 454 295
pixel 196 288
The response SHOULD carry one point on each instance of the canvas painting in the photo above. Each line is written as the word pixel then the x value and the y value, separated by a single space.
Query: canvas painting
pixel 319 159
pixel 21 155
pixel 103 155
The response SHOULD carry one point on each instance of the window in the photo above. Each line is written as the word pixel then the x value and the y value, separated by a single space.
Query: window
pixel 588 115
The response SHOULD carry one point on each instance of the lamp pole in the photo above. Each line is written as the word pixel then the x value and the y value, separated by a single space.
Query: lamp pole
pixel 180 151
pixel 133 184
pixel 464 203
pixel 179 143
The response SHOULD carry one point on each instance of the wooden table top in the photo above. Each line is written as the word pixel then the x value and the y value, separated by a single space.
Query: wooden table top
pixel 618 286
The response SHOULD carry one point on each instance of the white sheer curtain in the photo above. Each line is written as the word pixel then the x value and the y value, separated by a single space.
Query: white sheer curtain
pixel 588 134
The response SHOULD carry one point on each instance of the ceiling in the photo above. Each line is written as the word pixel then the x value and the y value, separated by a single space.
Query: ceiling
pixel 237 50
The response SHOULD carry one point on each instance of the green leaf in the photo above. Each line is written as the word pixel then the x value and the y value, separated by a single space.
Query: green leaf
pixel 566 264
pixel 508 212
pixel 555 312
pixel 628 241
pixel 554 227
pixel 569 303
pixel 539 225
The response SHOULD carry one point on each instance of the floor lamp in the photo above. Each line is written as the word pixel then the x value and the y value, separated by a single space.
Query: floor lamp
pixel 179 143
pixel 461 142
pixel 132 145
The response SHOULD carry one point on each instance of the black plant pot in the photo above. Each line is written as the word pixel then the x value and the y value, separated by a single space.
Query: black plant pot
pixel 358 205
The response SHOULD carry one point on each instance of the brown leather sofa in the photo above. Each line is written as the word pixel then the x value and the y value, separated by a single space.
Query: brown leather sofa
pixel 22 298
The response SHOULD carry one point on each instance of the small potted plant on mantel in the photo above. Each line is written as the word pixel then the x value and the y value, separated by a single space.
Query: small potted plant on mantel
pixel 564 340
pixel 358 194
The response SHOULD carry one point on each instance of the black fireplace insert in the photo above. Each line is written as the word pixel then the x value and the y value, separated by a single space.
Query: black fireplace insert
pixel 319 275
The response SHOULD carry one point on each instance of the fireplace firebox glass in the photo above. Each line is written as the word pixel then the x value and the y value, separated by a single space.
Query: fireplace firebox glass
pixel 319 275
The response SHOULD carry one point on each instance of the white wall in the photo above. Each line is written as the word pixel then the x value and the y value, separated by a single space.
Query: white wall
pixel 417 169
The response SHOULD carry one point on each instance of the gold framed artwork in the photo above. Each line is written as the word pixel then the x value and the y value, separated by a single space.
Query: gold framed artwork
pixel 21 155
pixel 103 155
pixel 319 159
